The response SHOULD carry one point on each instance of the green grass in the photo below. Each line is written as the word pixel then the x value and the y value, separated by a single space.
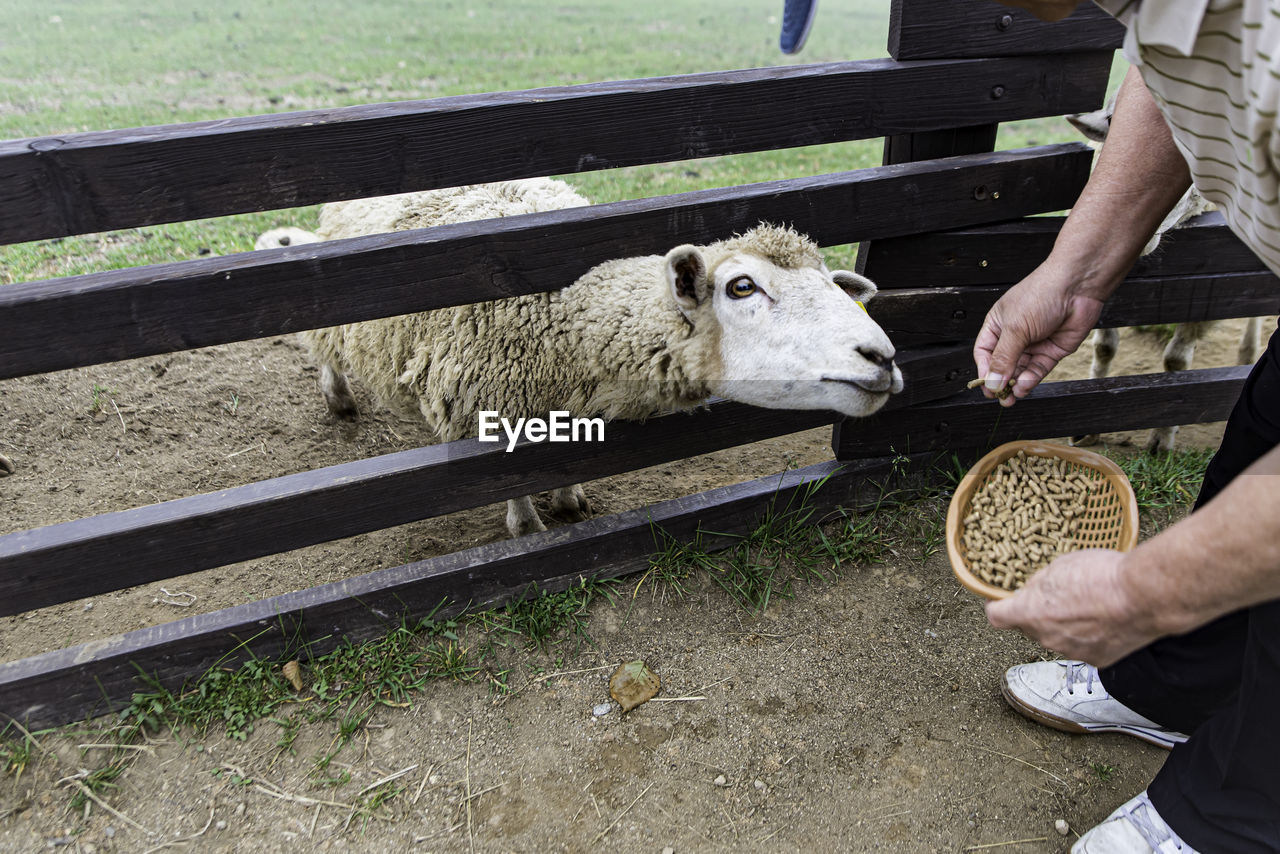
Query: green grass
pixel 1165 481
pixel 109 64
pixel 544 620
pixel 792 543
pixel 18 748
pixel 674 562
pixel 1162 332
pixel 101 64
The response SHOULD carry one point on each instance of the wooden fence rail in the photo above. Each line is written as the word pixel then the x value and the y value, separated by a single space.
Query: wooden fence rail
pixel 1006 252
pixel 86 182
pixel 71 560
pixel 1056 409
pixel 93 678
pixel 914 317
pixel 122 314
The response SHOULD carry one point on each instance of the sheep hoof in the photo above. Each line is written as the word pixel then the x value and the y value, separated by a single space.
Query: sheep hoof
pixel 1087 439
pixel 1161 441
pixel 525 526
pixel 337 394
pixel 343 410
pixel 6 466
pixel 522 518
pixel 570 504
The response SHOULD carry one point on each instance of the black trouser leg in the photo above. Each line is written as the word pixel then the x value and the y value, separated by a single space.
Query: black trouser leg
pixel 1221 790
pixel 1220 683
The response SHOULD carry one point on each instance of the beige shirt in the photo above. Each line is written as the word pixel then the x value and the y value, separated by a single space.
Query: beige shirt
pixel 1214 69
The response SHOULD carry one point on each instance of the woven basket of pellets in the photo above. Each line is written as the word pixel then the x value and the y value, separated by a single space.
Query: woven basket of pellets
pixel 1026 503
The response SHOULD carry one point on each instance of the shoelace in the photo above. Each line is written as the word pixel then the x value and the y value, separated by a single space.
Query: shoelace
pixel 1143 816
pixel 1078 671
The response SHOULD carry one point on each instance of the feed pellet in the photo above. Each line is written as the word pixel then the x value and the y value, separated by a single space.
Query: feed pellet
pixel 1001 394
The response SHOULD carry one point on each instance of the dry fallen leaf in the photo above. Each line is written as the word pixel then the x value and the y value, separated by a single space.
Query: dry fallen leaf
pixel 632 684
pixel 293 672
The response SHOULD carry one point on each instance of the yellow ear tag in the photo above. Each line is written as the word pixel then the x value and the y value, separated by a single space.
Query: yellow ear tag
pixel 861 306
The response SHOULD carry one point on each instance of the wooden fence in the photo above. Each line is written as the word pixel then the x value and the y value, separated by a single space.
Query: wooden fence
pixel 944 232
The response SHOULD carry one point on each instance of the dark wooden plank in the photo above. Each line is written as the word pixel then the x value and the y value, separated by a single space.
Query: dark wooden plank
pixel 916 317
pixel 984 255
pixel 1006 252
pixel 914 147
pixel 71 560
pixel 97 181
pixel 100 676
pixel 936 29
pixel 1203 244
pixel 931 373
pixel 1054 410
pixel 64 323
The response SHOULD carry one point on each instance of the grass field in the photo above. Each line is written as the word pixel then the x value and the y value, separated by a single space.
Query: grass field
pixel 104 64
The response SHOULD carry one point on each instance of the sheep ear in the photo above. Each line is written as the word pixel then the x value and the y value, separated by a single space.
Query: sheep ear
pixel 859 287
pixel 1093 125
pixel 687 276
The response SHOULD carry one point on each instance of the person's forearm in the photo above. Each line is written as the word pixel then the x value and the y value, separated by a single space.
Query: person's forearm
pixel 1223 557
pixel 1139 176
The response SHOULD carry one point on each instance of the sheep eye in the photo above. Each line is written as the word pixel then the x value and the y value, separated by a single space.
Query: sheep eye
pixel 741 287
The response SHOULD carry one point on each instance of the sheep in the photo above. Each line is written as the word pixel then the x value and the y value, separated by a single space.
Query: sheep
pixel 757 318
pixel 6 466
pixel 1181 348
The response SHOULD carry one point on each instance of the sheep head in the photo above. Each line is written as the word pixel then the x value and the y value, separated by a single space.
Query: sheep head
pixel 791 333
pixel 1095 126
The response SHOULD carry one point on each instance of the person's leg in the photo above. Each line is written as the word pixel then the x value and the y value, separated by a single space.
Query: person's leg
pixel 1164 692
pixel 1221 790
pixel 1181 681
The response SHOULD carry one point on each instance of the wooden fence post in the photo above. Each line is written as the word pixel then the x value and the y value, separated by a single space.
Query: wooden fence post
pixel 937 29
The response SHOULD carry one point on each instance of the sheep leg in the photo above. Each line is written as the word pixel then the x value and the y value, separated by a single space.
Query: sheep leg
pixel 1162 439
pixel 1178 354
pixel 1181 349
pixel 570 503
pixel 1248 353
pixel 6 466
pixel 522 517
pixel 1105 342
pixel 337 392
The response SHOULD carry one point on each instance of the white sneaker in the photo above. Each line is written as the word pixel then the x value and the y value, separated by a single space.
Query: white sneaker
pixel 1067 695
pixel 1135 828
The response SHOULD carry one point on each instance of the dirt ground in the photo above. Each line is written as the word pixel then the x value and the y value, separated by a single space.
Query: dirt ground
pixel 862 715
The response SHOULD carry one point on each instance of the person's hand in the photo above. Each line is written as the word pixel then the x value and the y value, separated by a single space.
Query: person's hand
pixel 1078 607
pixel 1035 325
